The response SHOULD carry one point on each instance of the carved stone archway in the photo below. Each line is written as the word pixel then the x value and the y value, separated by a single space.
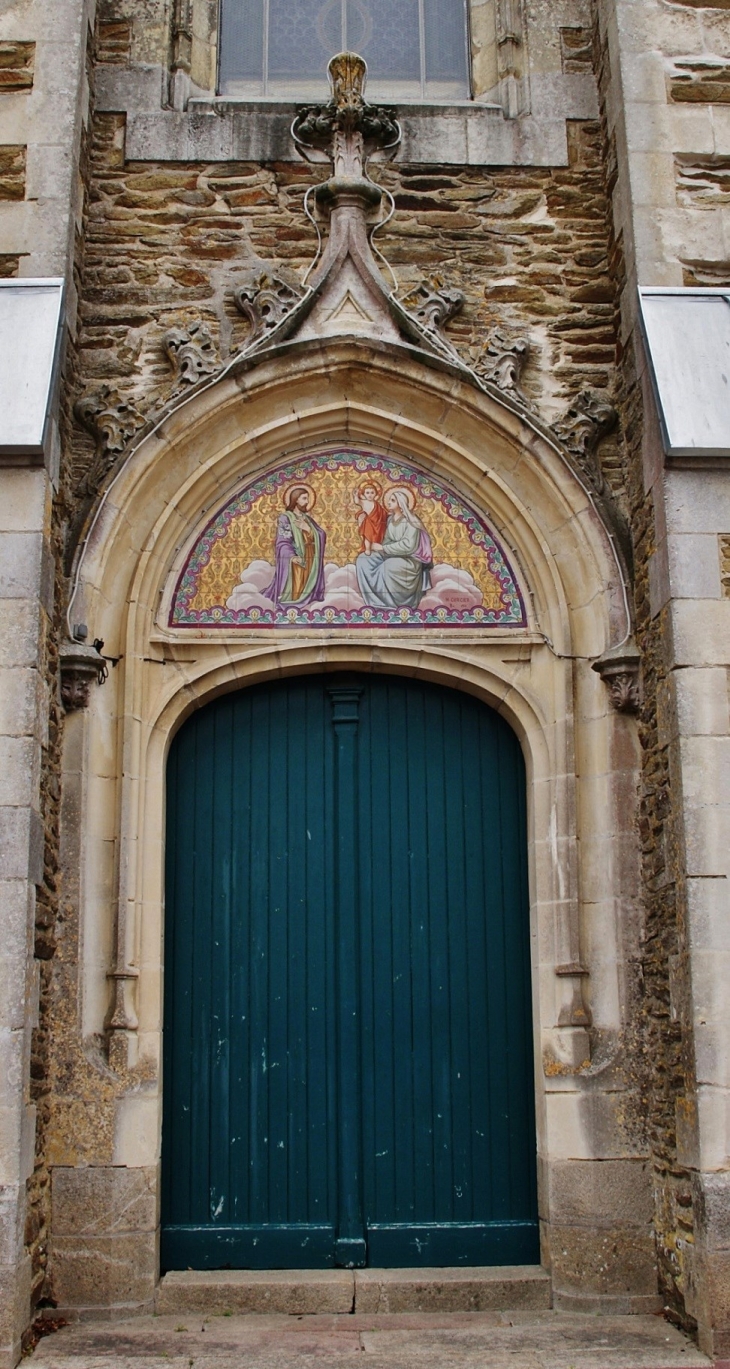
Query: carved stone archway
pixel 580 753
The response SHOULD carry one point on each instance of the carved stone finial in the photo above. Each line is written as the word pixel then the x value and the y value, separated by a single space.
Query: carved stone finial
pixel 347 129
pixel 191 353
pixel 110 418
pixel 620 670
pixel 81 666
pixel 265 298
pixel 502 361
pixel 347 74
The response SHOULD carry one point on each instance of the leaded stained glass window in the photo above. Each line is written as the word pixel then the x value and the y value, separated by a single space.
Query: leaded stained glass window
pixel 415 49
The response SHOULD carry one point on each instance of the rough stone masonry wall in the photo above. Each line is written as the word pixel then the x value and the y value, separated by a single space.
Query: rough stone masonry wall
pixel 166 244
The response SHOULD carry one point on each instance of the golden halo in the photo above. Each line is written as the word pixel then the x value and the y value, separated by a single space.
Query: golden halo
pixel 370 484
pixel 408 492
pixel 299 485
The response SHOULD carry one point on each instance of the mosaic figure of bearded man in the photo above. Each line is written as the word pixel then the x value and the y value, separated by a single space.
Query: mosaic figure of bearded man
pixel 298 552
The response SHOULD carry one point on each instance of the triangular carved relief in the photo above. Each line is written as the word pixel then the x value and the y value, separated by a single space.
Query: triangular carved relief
pixel 348 314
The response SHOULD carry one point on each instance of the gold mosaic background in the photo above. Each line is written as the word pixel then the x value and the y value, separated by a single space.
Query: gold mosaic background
pixel 250 537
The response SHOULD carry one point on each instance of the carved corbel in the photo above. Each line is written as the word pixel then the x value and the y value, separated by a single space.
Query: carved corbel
pixel 620 670
pixel 265 299
pixel 431 306
pixel 111 419
pixel 590 418
pixel 576 1013
pixel 122 1016
pixel 191 353
pixel 81 666
pixel 502 362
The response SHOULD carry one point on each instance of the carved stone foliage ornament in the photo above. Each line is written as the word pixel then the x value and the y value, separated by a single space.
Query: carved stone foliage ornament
pixel 265 299
pixel 433 305
pixel 620 670
pixel 81 666
pixel 590 418
pixel 191 353
pixel 110 418
pixel 502 362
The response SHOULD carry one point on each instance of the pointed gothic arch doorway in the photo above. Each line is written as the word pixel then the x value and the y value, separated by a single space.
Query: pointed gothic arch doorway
pixel 348 1073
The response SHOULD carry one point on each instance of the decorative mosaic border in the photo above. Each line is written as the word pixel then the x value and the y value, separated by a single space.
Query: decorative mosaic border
pixel 510 614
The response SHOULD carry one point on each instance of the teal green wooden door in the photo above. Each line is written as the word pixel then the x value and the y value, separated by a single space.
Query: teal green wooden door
pixel 348 1072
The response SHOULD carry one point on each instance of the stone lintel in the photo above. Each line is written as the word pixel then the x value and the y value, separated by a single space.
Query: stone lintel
pixel 252 131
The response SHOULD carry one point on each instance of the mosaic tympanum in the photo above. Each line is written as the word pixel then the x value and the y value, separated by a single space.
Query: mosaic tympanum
pixel 346 539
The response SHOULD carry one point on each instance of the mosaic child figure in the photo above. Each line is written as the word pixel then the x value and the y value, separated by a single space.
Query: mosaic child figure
pixel 372 519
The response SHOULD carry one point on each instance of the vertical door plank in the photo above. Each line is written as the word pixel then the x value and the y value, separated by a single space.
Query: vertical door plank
pixel 241 836
pixel 417 973
pixel 350 1247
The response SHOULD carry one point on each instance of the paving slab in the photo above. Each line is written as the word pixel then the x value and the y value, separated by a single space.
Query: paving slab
pixel 454 1340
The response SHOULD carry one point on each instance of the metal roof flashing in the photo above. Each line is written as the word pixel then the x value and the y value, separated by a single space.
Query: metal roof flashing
pixel 687 336
pixel 31 313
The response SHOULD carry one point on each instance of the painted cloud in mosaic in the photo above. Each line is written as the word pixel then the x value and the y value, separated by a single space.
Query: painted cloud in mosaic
pixel 346 538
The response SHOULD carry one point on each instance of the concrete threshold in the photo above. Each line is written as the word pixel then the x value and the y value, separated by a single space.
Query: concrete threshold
pixel 302 1292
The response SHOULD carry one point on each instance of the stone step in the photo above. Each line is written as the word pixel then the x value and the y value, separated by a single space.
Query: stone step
pixel 490 1289
pixel 302 1292
pixel 233 1291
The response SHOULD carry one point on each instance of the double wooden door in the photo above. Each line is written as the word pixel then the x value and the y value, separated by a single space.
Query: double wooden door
pixel 348 1073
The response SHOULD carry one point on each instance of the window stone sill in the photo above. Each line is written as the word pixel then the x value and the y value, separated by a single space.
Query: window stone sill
pixel 224 129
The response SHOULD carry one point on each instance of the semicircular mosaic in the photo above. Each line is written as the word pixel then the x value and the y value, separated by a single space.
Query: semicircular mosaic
pixel 347 539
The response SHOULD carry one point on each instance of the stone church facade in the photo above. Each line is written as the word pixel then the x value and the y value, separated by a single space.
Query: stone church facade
pixel 448 282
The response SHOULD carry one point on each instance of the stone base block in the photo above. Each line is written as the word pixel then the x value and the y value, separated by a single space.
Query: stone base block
pixel 712 1302
pixel 600 1267
pixel 598 1192
pixel 452 1290
pixel 104 1200
pixel 15 1285
pixel 296 1292
pixel 92 1273
pixel 104 1255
